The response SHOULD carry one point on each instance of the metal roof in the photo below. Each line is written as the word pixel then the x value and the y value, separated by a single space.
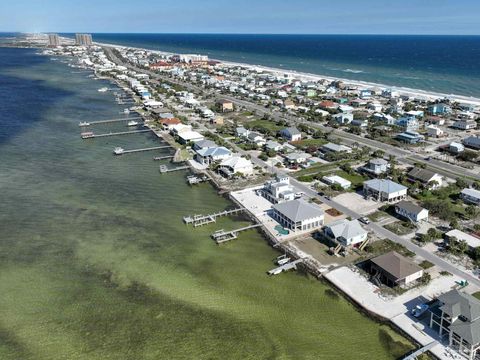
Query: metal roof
pixel 298 210
pixel 384 185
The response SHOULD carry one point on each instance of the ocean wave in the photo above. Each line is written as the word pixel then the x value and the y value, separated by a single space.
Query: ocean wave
pixel 354 71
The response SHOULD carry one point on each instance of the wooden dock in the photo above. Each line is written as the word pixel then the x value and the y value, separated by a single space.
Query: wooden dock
pixel 286 267
pixel 107 121
pixel 142 150
pixel 199 220
pixel 222 236
pixel 164 168
pixel 157 158
pixel 92 136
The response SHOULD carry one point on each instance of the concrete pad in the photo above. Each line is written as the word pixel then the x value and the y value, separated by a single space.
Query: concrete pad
pixel 358 203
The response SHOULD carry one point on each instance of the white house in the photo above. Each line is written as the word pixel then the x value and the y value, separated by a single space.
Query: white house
pixel 242 132
pixel 376 166
pixel 343 118
pixel 465 124
pixel 384 190
pixel 185 137
pixel 433 131
pixel 411 211
pixel 470 196
pixel 428 178
pixel 236 164
pixel 278 190
pixel 256 138
pixel 273 145
pixel 291 134
pixel 335 179
pixel 346 232
pixel 298 215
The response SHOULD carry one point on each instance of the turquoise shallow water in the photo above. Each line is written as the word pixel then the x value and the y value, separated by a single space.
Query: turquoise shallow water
pixel 95 262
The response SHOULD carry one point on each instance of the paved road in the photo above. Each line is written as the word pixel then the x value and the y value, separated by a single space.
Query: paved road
pixel 378 230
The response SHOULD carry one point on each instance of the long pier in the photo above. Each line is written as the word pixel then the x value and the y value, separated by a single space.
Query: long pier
pixel 141 150
pixel 420 351
pixel 164 168
pixel 107 121
pixel 157 158
pixel 199 220
pixel 222 236
pixel 286 267
pixel 92 135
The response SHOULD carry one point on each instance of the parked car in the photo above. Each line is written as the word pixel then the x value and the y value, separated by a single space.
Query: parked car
pixel 364 220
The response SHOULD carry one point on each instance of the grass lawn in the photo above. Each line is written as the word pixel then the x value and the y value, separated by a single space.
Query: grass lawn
pixel 377 215
pixel 400 228
pixel 355 179
pixel 383 246
pixel 425 264
pixel 316 169
pixel 260 125
pixel 306 143
pixel 477 295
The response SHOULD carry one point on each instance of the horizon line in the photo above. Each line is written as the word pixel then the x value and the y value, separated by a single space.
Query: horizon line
pixel 232 33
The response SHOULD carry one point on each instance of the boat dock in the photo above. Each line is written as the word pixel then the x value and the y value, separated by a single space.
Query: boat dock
pixel 122 151
pixel 91 135
pixel 221 236
pixel 107 121
pixel 199 220
pixel 194 179
pixel 157 158
pixel 164 168
pixel 286 267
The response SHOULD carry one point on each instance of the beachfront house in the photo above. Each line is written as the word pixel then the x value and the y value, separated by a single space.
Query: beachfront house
pixel 470 196
pixel 427 178
pixel 439 109
pixel 411 211
pixel 457 315
pixel 345 232
pixel 298 215
pixel 393 269
pixel 384 190
pixel 291 134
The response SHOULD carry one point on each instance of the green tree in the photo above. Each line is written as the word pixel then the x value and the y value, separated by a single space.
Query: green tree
pixel 471 211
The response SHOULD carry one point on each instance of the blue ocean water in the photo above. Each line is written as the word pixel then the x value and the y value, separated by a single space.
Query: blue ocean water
pixel 447 64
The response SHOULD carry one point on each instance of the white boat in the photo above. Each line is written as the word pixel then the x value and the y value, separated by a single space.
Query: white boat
pixel 132 123
pixel 126 111
pixel 118 151
pixel 84 123
pixel 282 260
pixel 103 89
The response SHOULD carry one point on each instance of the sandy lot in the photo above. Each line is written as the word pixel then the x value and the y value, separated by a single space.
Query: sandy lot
pixel 357 203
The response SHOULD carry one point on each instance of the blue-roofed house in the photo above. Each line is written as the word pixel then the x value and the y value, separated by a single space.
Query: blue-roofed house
pixel 384 190
pixel 409 123
pixel 206 156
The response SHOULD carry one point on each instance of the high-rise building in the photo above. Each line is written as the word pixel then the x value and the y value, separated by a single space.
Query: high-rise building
pixel 83 39
pixel 53 40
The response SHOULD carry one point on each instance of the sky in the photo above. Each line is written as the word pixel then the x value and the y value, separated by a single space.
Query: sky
pixel 451 17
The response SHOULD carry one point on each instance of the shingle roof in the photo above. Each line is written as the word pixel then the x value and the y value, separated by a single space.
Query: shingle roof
pixel 410 207
pixel 298 210
pixel 396 265
pixel 423 175
pixel 456 303
pixel 471 192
